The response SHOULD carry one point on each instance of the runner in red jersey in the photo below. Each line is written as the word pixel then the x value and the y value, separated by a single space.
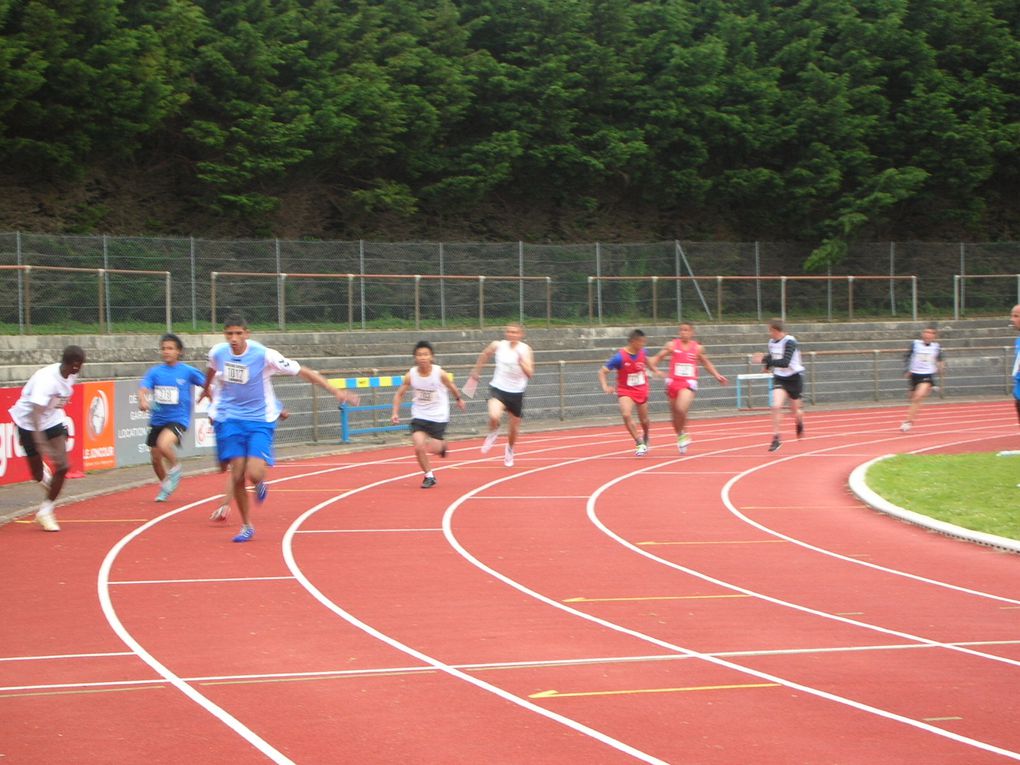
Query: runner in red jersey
pixel 686 354
pixel 631 365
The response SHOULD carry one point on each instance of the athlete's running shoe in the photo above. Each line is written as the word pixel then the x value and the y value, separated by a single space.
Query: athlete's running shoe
pixel 508 457
pixel 683 442
pixel 905 427
pixel 776 443
pixel 261 491
pixel 642 450
pixel 163 495
pixel 173 479
pixel 220 513
pixel 46 518
pixel 247 532
pixel 428 482
pixel 800 428
pixel 489 441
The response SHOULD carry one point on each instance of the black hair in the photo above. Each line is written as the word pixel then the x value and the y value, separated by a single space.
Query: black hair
pixel 634 335
pixel 235 320
pixel 424 344
pixel 170 337
pixel 73 353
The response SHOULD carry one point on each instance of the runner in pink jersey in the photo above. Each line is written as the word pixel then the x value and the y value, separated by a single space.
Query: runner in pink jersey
pixel 631 365
pixel 686 354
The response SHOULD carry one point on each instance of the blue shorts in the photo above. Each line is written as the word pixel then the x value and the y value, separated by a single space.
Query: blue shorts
pixel 244 438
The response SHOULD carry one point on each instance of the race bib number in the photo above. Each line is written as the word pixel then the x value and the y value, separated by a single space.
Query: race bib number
pixel 235 373
pixel 926 358
pixel 635 379
pixel 683 370
pixel 59 402
pixel 423 396
pixel 166 394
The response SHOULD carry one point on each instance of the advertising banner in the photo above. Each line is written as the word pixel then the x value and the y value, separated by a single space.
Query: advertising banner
pixel 98 432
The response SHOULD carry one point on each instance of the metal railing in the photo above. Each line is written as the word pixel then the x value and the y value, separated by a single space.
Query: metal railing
pixel 397 284
pixel 596 308
pixel 103 292
pixel 960 289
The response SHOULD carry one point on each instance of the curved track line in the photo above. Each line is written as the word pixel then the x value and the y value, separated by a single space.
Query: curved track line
pixel 288 553
pixel 725 496
pixel 103 584
pixel 461 550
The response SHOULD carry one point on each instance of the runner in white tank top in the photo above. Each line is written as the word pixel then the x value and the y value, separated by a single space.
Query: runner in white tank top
pixel 515 366
pixel 783 360
pixel 924 364
pixel 430 407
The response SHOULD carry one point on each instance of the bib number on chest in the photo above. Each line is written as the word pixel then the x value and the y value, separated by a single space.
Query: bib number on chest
pixel 166 394
pixel 635 379
pixel 235 373
pixel 683 370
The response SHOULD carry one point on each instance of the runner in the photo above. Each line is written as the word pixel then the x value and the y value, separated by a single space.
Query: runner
pixel 165 391
pixel 783 359
pixel 1014 319
pixel 39 417
pixel 515 366
pixel 924 367
pixel 682 381
pixel 630 364
pixel 431 389
pixel 247 409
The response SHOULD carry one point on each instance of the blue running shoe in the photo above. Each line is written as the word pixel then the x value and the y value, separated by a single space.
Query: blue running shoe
pixel 163 495
pixel 261 491
pixel 247 532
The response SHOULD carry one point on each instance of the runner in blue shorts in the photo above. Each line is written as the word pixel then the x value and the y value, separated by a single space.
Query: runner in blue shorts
pixel 247 409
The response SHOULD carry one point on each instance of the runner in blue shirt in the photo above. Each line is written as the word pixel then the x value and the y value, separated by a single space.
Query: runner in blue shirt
pixel 165 391
pixel 247 408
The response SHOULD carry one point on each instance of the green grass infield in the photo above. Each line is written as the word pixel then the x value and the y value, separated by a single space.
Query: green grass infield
pixel 975 491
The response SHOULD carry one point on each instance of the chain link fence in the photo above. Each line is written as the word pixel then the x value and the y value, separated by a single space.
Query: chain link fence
pixel 518 294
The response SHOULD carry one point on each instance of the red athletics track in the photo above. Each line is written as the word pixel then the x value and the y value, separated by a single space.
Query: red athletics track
pixel 730 606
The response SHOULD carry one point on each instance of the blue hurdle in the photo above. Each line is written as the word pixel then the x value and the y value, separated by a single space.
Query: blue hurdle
pixel 366 383
pixel 748 378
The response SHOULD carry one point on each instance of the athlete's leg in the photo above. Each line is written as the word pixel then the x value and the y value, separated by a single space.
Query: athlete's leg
pixel 682 405
pixel 646 424
pixel 626 410
pixel 237 473
pixel 166 445
pixel 56 450
pixel 779 397
pixel 920 392
pixel 421 439
pixel 513 429
pixel 496 409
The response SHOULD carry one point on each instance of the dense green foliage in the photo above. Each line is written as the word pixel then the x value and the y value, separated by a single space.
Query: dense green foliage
pixel 813 119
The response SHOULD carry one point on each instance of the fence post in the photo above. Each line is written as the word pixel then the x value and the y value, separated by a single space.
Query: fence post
pixel 874 372
pixel 913 295
pixel 21 284
pixel 106 278
pixel 103 327
pixel 548 301
pixel 850 297
pixel 442 287
pixel 598 275
pixel 350 302
pixel 520 279
pixel 315 414
pixel 655 300
pixel 591 308
pixel 718 298
pixel 281 300
pixel 28 300
pixel 812 357
pixel 892 273
pixel 782 298
pixel 212 298
pixel 361 268
pixel 757 274
pixel 417 301
pixel 956 297
pixel 481 302
pixel 194 287
pixel 563 390
pixel 169 303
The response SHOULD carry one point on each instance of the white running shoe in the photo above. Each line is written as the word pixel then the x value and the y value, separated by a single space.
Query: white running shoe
pixel 641 451
pixel 46 518
pixel 508 457
pixel 489 441
pixel 683 442
pixel 905 427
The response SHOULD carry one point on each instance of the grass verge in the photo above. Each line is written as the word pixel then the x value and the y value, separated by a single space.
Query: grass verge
pixel 974 491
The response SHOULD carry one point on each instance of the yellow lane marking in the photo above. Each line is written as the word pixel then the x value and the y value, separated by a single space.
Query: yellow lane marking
pixel 940 719
pixel 717 542
pixel 653 597
pixel 558 695
pixel 79 692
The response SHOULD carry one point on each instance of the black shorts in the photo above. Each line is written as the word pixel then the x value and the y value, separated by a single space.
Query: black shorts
pixel 28 439
pixel 436 430
pixel 514 402
pixel 916 379
pixel 793 385
pixel 174 427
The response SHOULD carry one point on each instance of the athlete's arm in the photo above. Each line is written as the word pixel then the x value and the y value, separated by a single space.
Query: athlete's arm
pixel 710 367
pixel 343 396
pixel 483 358
pixel 398 396
pixel 789 348
pixel 667 348
pixel 527 361
pixel 453 390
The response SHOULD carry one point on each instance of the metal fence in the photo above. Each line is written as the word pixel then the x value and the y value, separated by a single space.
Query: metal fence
pixel 191 263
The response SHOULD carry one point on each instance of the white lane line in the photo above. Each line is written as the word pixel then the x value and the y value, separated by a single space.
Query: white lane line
pixel 886 714
pixel 363 531
pixel 448 669
pixel 58 656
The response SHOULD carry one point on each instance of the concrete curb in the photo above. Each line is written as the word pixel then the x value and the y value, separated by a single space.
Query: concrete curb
pixel 860 490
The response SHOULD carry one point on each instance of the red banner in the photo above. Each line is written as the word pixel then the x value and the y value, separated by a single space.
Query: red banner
pixel 13 465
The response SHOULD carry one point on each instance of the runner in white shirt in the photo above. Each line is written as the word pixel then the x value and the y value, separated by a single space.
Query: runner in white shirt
pixel 431 389
pixel 39 417
pixel 784 361
pixel 515 366
pixel 924 364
